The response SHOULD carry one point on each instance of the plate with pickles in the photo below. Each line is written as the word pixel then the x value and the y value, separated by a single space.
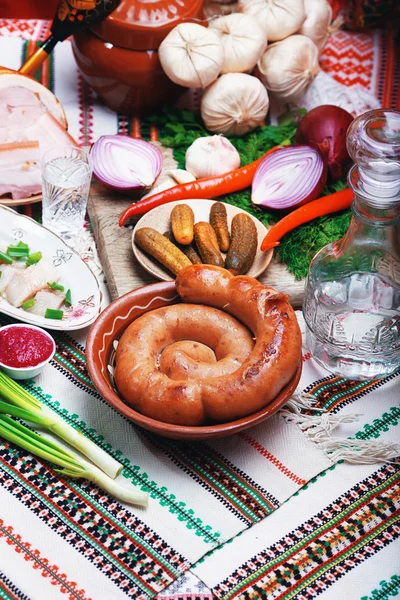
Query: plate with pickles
pixel 175 235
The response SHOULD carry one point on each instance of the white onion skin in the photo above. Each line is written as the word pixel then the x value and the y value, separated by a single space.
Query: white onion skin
pixel 288 67
pixel 234 104
pixel 317 22
pixel 279 18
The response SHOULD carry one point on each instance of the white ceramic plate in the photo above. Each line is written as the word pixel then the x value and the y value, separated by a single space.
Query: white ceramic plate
pixel 74 273
pixel 159 218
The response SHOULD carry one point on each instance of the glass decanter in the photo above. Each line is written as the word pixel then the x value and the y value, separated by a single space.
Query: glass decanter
pixel 352 294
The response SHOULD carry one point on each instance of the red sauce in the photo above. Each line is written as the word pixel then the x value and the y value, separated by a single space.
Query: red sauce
pixel 24 347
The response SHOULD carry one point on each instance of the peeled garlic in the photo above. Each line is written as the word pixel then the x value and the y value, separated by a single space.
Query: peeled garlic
pixel 278 18
pixel 318 19
pixel 210 156
pixel 181 176
pixel 288 67
pixel 243 40
pixel 234 104
pixel 191 55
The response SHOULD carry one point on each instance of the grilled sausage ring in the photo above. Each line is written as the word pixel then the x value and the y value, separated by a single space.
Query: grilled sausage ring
pixel 164 370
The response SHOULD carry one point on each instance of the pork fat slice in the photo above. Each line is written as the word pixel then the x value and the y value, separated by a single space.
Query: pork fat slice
pixel 7 273
pixel 25 284
pixel 46 299
pixel 20 169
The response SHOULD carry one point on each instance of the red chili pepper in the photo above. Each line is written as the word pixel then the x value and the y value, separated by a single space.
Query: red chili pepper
pixel 317 208
pixel 209 187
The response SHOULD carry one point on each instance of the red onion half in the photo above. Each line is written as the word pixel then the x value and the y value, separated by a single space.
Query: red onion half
pixel 289 177
pixel 325 127
pixel 125 164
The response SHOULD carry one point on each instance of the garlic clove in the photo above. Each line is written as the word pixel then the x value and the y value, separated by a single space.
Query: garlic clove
pixel 288 67
pixel 191 55
pixel 211 156
pixel 278 18
pixel 181 176
pixel 234 104
pixel 243 40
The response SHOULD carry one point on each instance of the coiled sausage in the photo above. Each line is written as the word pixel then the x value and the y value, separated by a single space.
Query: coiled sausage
pixel 189 384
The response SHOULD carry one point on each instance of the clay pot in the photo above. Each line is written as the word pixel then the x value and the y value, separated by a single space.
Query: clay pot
pixel 118 58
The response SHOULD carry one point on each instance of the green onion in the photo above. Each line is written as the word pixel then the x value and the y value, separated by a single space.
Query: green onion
pixel 51 313
pixel 34 258
pixel 72 466
pixel 28 304
pixel 6 259
pixel 21 249
pixel 42 415
pixel 68 299
pixel 55 286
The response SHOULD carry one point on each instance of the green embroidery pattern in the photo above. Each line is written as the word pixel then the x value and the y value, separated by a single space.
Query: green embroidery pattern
pixel 386 589
pixel 390 419
pixel 132 472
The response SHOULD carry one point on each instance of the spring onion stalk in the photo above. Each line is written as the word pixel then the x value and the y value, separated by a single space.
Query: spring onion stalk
pixel 68 299
pixel 18 251
pixel 55 286
pixel 52 313
pixel 34 258
pixel 6 259
pixel 12 392
pixel 71 466
pixel 28 304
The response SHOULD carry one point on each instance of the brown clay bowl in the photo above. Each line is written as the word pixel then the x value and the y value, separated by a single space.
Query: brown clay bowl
pixel 100 354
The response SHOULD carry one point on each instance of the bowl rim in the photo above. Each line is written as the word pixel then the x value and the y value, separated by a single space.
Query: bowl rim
pixel 39 365
pixel 169 429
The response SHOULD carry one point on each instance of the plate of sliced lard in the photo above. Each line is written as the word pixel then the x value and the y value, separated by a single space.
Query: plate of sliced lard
pixel 43 281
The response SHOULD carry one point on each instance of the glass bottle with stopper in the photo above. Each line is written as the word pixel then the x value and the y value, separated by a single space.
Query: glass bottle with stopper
pixel 352 294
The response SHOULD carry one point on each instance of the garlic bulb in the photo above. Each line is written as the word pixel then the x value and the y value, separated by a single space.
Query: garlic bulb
pixel 287 68
pixel 278 18
pixel 318 19
pixel 191 55
pixel 243 40
pixel 234 104
pixel 210 156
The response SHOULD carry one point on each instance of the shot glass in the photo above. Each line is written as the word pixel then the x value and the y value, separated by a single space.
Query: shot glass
pixel 66 176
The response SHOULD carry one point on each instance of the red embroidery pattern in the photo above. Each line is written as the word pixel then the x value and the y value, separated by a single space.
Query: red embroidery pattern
pixel 85 96
pixel 264 452
pixel 26 29
pixel 348 57
pixel 32 555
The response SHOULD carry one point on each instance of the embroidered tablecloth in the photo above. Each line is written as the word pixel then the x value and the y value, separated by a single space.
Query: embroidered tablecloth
pixel 265 514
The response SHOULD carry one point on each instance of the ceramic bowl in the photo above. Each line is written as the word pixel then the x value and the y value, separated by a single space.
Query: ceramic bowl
pixel 100 355
pixel 27 372
pixel 160 218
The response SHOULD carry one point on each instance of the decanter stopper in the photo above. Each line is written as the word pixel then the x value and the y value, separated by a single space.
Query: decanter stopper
pixel 373 142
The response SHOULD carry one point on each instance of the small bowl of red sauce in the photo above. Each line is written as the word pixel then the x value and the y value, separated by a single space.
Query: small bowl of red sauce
pixel 25 350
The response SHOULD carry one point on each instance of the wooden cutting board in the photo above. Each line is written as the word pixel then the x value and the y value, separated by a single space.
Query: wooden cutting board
pixel 123 272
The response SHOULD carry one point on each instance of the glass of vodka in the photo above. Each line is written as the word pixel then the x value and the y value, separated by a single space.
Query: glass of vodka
pixel 352 295
pixel 66 176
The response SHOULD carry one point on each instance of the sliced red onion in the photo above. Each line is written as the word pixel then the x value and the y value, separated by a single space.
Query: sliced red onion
pixel 126 164
pixel 289 177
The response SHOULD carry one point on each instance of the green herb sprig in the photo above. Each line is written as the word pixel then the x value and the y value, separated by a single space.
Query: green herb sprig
pixel 180 128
